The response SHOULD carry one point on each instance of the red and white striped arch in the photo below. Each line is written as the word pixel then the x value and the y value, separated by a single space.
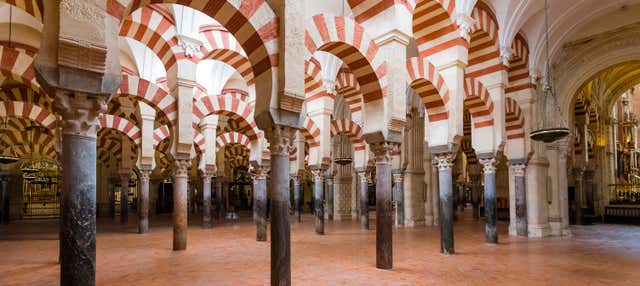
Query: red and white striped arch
pixel 258 38
pixel 479 103
pixel 364 10
pixel 158 33
pixel 311 132
pixel 351 129
pixel 518 70
pixel 223 46
pixel 150 93
pixel 18 65
pixel 347 85
pixel 198 141
pixel 42 143
pixel 237 93
pixel 28 111
pixel 227 105
pixel 347 40
pixel 160 134
pixel 430 86
pixel 232 138
pixel 26 94
pixel 313 85
pixel 434 28
pixel 108 147
pixel 121 124
pixel 484 53
pixel 514 119
pixel 34 8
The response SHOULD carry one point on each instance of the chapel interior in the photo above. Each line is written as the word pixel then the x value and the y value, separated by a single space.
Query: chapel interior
pixel 319 142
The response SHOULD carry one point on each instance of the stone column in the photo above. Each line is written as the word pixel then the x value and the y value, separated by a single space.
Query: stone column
pixel 414 191
pixel 445 186
pixel 490 208
pixel 399 194
pixel 318 199
pixel 124 197
pixel 521 225
pixel 180 215
pixel 563 187
pixel 475 194
pixel 218 190
pixel 363 188
pixel 297 198
pixel 578 176
pixel 5 214
pixel 330 199
pixel 207 175
pixel 435 191
pixel 112 199
pixel 280 139
pixel 80 126
pixel 143 216
pixel 384 204
pixel 260 201
pixel 588 190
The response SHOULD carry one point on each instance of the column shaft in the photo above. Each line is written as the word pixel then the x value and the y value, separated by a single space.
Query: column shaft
pixel 446 203
pixel 399 194
pixel 330 201
pixel 490 208
pixel 384 203
pixel 318 201
pixel 260 205
pixel 5 213
pixel 578 176
pixel 124 198
pixel 521 206
pixel 364 200
pixel 143 216
pixel 206 200
pixel 297 200
pixel 180 215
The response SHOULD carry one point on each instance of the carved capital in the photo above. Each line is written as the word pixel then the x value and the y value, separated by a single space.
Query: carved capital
pixel 464 22
pixel 518 169
pixel 382 150
pixel 444 161
pixel 318 174
pixel 145 173
pixel 190 45
pixel 181 168
pixel 363 177
pixel 207 174
pixel 260 172
pixel 397 178
pixel 280 139
pixel 488 164
pixel 79 112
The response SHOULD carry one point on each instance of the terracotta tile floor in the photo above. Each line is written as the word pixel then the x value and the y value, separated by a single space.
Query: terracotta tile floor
pixel 229 255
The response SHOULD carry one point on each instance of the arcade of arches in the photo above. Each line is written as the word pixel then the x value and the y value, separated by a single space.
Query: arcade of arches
pixel 318 128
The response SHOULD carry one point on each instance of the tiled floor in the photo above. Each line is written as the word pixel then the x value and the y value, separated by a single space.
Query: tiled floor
pixel 229 255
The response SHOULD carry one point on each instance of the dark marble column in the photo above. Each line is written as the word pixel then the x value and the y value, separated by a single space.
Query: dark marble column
pixel 280 139
pixel 399 194
pixel 124 197
pixel 206 197
pixel 80 126
pixel 475 194
pixel 218 190
pixel 297 199
pixel 5 213
pixel 329 182
pixel 578 178
pixel 363 188
pixel 490 207
pixel 112 198
pixel 143 216
pixel 445 185
pixel 318 199
pixel 521 198
pixel 588 190
pixel 384 203
pixel 260 201
pixel 180 211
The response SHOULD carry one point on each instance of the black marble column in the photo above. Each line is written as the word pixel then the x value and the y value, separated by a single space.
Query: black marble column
pixel 297 199
pixel 260 202
pixel 521 199
pixel 143 216
pixel 112 199
pixel 218 190
pixel 329 182
pixel 206 198
pixel 475 195
pixel 490 207
pixel 318 200
pixel 5 212
pixel 384 204
pixel 578 177
pixel 363 188
pixel 280 139
pixel 445 185
pixel 124 197
pixel 398 186
pixel 180 211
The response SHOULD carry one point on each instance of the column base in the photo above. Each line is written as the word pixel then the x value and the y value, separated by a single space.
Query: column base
pixel 539 230
pixel 414 223
pixel 566 232
pixel 556 228
pixel 512 230
pixel 430 220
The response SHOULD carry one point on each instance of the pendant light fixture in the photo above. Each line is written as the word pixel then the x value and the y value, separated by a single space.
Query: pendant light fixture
pixel 547 130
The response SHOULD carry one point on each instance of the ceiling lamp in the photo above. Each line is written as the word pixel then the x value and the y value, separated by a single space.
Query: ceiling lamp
pixel 548 132
pixel 343 151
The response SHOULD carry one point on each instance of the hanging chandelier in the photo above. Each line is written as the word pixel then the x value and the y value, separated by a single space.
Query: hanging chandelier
pixel 343 152
pixel 548 132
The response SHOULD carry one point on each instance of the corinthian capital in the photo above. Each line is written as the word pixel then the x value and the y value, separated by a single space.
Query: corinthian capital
pixel 181 167
pixel 280 138
pixel 444 161
pixel 79 112
pixel 488 164
pixel 382 150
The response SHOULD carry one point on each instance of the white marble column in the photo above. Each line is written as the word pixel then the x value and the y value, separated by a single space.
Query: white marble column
pixel 143 215
pixel 207 175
